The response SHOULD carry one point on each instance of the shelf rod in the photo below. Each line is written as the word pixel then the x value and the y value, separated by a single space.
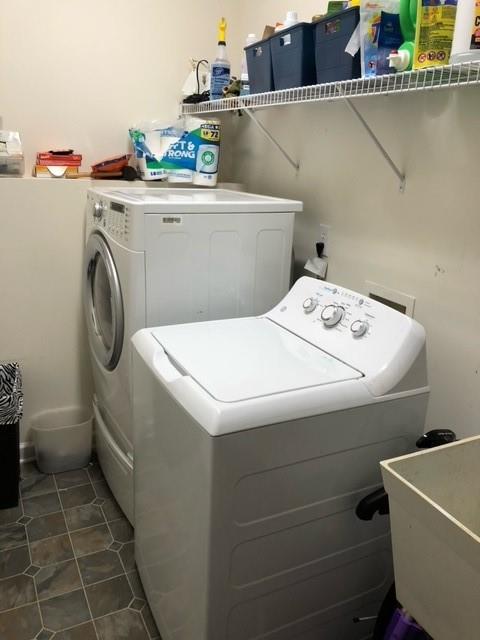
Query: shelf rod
pixel 269 136
pixel 378 144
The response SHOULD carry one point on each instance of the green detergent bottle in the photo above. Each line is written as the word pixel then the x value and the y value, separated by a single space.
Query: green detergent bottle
pixel 403 59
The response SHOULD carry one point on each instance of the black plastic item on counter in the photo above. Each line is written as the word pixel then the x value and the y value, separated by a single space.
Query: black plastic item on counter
pixel 332 35
pixel 259 64
pixel 11 409
pixel 293 57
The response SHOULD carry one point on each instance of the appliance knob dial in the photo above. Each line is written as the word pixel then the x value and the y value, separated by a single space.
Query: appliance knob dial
pixel 359 328
pixel 309 305
pixel 98 211
pixel 332 314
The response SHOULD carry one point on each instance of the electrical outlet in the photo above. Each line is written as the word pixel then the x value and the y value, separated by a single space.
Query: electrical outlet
pixel 323 235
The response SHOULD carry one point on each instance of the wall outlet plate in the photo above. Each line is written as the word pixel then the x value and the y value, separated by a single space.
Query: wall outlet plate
pixel 323 236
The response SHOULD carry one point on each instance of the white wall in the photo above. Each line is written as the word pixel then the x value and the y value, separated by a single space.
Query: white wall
pixel 76 74
pixel 41 321
pixel 424 242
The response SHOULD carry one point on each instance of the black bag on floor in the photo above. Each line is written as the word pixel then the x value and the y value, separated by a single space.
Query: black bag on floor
pixel 11 409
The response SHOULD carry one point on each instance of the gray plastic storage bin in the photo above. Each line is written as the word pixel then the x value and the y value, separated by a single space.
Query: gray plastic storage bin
pixel 63 439
pixel 293 57
pixel 259 63
pixel 332 35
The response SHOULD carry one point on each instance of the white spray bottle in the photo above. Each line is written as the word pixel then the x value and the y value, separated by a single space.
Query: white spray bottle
pixel 220 68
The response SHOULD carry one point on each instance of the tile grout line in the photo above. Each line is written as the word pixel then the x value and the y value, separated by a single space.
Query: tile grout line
pixel 31 564
pixel 128 581
pixel 76 560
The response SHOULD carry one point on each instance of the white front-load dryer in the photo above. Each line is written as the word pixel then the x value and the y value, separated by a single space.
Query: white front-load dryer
pixel 159 256
pixel 255 439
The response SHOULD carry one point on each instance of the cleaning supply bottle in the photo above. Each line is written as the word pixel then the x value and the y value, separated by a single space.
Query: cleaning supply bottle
pixel 220 70
pixel 290 21
pixel 466 37
pixel 244 81
pixel 402 60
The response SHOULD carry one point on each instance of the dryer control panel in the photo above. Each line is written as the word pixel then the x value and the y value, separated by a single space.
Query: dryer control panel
pixel 361 332
pixel 110 216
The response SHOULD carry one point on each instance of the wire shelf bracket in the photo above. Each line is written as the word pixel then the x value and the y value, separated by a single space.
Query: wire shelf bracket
pixel 269 137
pixel 400 175
pixel 450 76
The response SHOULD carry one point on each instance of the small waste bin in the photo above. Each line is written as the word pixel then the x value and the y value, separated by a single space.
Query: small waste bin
pixel 62 439
pixel 11 409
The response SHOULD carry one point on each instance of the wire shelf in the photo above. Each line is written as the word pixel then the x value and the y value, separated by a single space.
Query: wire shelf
pixel 448 76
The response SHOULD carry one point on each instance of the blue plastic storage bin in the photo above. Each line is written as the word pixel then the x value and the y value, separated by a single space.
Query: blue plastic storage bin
pixel 293 57
pixel 259 63
pixel 332 35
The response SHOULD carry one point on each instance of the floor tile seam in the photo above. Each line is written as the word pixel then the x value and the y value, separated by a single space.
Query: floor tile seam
pixel 90 526
pixel 117 575
pixel 120 611
pixel 78 569
pixel 33 578
pixel 36 495
pixel 75 486
pixel 131 589
pixel 22 573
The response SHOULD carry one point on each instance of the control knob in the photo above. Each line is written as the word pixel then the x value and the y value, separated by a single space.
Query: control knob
pixel 98 211
pixel 359 328
pixel 332 314
pixel 309 305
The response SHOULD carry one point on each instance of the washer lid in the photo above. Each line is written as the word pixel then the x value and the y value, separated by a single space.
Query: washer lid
pixel 247 358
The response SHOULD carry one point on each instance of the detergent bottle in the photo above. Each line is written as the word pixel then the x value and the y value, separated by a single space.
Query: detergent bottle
pixel 220 70
pixel 402 60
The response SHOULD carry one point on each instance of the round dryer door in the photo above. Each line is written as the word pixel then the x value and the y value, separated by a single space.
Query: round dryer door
pixel 103 302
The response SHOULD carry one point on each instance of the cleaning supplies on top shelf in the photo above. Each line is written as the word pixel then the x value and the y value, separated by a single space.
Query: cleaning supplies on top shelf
pixel 220 69
pixel 466 37
pixel 434 32
pixel 244 79
pixel 370 21
pixel 389 39
pixel 402 60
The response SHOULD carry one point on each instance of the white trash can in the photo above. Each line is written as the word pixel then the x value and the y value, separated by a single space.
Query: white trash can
pixel 62 439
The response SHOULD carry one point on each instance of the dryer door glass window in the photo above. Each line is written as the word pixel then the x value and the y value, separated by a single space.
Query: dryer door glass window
pixel 103 302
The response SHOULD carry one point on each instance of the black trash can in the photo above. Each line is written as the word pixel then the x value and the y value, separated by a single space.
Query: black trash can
pixel 11 409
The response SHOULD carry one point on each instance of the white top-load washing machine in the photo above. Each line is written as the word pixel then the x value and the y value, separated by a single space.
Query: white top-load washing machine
pixel 255 439
pixel 163 256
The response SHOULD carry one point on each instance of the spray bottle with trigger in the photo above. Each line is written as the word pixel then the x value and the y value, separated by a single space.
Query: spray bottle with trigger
pixel 402 60
pixel 221 66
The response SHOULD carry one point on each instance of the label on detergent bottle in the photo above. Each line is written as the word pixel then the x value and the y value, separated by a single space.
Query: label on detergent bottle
pixel 435 27
pixel 220 79
pixel 475 41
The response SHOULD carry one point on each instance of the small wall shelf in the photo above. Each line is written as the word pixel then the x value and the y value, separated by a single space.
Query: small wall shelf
pixel 446 77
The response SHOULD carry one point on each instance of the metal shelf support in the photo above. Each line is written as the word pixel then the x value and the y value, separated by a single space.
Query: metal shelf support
pixel 269 137
pixel 400 175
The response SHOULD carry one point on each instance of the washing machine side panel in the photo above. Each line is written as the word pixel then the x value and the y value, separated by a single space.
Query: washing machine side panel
pixel 172 505
pixel 287 553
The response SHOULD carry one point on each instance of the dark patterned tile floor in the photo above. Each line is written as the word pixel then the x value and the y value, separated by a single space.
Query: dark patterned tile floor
pixel 67 570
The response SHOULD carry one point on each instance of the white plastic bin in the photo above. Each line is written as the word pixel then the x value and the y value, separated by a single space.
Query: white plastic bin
pixel 62 439
pixel 435 520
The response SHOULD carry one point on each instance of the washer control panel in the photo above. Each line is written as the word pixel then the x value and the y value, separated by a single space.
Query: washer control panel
pixel 341 309
pixel 361 332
